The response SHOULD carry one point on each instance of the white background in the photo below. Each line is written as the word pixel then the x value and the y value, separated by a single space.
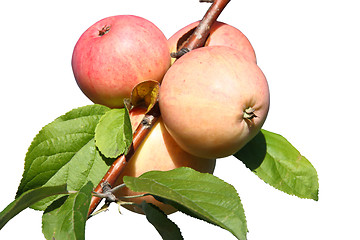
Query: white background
pixel 309 51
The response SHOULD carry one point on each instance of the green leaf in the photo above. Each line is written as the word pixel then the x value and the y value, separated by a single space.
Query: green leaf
pixel 201 194
pixel 113 134
pixel 28 198
pixel 166 228
pixel 64 152
pixel 66 217
pixel 273 159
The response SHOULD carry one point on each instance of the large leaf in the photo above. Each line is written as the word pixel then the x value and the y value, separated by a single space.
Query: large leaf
pixel 28 198
pixel 113 134
pixel 165 227
pixel 273 159
pixel 202 195
pixel 64 152
pixel 65 218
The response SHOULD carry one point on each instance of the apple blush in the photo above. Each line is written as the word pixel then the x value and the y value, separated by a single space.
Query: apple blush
pixel 115 54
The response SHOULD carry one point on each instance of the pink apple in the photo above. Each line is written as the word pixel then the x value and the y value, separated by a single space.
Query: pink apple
pixel 213 100
pixel 115 54
pixel 221 34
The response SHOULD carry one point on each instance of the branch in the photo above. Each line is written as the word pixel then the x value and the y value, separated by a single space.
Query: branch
pixel 119 164
pixel 198 37
pixel 196 40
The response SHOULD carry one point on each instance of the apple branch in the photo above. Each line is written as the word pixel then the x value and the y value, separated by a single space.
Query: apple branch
pixel 197 39
pixel 119 164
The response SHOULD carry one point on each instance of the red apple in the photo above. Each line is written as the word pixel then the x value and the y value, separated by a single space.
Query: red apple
pixel 115 54
pixel 213 100
pixel 221 34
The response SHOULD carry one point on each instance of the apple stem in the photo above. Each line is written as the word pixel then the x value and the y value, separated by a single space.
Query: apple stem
pixel 199 36
pixel 197 39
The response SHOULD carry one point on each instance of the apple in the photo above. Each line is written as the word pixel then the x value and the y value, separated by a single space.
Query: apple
pixel 158 151
pixel 213 100
pixel 115 54
pixel 220 34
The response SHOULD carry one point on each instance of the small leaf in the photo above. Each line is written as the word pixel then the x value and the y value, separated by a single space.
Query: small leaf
pixel 66 217
pixel 166 228
pixel 28 198
pixel 273 159
pixel 113 134
pixel 64 152
pixel 203 195
pixel 145 93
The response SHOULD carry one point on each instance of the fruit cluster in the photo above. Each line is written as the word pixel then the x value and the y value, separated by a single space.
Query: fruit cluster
pixel 213 100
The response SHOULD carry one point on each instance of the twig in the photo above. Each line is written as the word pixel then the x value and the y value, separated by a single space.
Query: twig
pixel 202 31
pixel 119 164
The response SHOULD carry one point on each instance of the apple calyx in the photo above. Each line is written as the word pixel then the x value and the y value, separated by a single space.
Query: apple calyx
pixel 104 30
pixel 249 113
